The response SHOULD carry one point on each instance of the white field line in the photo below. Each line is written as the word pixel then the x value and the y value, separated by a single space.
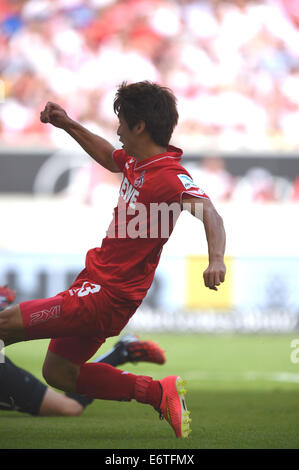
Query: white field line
pixel 290 377
pixel 248 376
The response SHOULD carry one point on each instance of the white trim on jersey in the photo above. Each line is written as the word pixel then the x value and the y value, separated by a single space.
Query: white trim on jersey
pixel 156 160
pixel 194 195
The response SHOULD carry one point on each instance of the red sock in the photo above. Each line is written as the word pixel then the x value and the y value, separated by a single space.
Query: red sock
pixel 148 391
pixel 99 380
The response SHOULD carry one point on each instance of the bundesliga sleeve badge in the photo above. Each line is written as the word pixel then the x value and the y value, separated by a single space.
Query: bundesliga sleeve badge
pixel 188 183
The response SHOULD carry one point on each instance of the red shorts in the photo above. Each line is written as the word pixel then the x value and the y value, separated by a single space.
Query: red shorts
pixel 78 320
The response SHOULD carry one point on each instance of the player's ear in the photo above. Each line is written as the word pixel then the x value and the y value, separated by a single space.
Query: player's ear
pixel 139 127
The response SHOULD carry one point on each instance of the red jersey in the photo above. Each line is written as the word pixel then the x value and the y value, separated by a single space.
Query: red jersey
pixel 142 223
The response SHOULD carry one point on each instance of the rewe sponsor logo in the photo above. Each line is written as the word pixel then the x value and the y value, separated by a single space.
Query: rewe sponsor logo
pixel 45 315
pixel 128 192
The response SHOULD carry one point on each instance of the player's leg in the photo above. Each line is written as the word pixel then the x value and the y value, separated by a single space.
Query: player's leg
pixel 34 319
pixel 58 371
pixel 11 323
pixel 21 391
pixel 128 349
pixel 83 312
pixel 131 349
pixel 166 396
pixel 58 404
pixel 11 326
pixel 65 368
pixel 105 382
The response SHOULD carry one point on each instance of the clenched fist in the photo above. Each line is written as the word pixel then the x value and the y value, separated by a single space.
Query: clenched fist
pixel 55 115
pixel 214 275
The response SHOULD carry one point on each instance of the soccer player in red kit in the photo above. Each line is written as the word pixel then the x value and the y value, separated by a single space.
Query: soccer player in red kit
pixel 118 275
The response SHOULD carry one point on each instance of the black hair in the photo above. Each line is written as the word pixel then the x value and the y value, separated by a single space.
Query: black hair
pixel 151 103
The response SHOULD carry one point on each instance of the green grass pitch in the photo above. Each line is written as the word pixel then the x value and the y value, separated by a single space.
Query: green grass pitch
pixel 243 393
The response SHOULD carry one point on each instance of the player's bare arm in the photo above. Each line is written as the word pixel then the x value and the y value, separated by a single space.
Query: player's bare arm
pixel 202 208
pixel 97 147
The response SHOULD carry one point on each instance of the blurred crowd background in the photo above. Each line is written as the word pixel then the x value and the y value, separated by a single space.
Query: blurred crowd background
pixel 234 65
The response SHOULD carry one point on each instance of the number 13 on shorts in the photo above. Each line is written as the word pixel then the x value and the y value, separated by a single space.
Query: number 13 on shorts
pixel 86 289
